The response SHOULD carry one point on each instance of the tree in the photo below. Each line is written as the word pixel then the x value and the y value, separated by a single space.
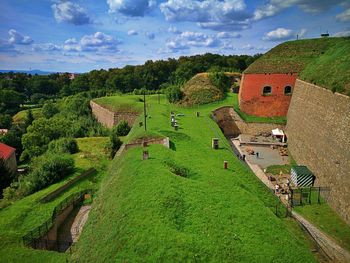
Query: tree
pixel 122 129
pixel 115 143
pixel 5 121
pixel 220 80
pixel 49 109
pixel 6 176
pixel 173 93
pixel 63 145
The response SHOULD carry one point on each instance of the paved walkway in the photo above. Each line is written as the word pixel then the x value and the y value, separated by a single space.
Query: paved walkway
pixel 79 222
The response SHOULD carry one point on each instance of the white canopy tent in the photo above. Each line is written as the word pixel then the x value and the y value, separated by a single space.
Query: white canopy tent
pixel 278 134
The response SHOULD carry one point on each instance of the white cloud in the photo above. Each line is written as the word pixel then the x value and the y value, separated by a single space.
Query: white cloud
pixel 72 13
pixel 225 35
pixel 273 7
pixel 279 34
pixel 18 39
pixel 344 17
pixel 131 7
pixel 174 30
pixel 132 32
pixel 342 34
pixel 46 47
pixel 189 39
pixel 218 15
pixel 96 42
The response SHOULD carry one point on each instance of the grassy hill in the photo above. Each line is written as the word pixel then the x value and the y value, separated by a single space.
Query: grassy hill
pixel 146 212
pixel 200 90
pixel 324 61
pixel 22 216
pixel 130 103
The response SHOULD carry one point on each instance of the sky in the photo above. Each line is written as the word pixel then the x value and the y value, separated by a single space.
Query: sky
pixel 82 35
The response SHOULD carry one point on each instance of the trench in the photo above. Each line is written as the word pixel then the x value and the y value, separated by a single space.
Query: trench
pixel 65 227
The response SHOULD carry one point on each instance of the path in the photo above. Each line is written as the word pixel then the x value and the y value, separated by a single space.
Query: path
pixel 79 222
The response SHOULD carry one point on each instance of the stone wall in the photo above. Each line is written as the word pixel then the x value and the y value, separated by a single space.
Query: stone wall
pixel 318 130
pixel 232 124
pixel 252 100
pixel 109 118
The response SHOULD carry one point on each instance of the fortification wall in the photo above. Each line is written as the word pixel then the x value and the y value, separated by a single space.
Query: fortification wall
pixel 252 100
pixel 109 118
pixel 233 125
pixel 318 129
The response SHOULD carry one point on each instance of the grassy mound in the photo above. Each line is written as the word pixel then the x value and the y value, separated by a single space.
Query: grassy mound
pixel 181 204
pixel 324 61
pixel 200 90
pixel 131 103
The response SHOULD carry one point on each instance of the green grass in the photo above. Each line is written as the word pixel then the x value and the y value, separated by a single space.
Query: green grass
pixel 251 118
pixel 146 212
pixel 19 218
pixel 123 103
pixel 21 115
pixel 324 61
pixel 324 218
pixel 276 169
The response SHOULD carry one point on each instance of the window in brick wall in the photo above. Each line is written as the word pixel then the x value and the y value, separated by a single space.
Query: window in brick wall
pixel 267 90
pixel 287 90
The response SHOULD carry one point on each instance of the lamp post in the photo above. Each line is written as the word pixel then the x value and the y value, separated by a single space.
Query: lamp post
pixel 144 108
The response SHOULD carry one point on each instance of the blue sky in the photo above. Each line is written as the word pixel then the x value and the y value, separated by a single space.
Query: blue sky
pixel 81 35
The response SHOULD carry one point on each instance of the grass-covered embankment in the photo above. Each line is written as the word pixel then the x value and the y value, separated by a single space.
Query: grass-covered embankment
pixel 122 103
pixel 146 212
pixel 23 215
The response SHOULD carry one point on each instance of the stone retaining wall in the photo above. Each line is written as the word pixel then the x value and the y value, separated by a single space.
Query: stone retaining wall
pixel 233 125
pixel 109 118
pixel 318 130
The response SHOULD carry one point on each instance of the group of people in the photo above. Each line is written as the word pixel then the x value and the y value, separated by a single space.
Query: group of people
pixel 278 188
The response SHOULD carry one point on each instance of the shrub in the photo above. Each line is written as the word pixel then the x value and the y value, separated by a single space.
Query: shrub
pixel 220 80
pixel 115 144
pixel 6 176
pixel 123 128
pixel 48 169
pixel 63 145
pixel 49 110
pixel 174 93
pixel 5 121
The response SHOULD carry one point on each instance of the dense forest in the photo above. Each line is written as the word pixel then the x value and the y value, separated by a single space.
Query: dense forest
pixel 57 110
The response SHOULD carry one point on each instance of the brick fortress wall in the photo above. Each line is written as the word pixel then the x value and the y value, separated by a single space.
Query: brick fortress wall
pixel 253 102
pixel 109 118
pixel 318 129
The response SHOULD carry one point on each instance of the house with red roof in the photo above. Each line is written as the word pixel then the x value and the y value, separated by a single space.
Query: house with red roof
pixel 9 155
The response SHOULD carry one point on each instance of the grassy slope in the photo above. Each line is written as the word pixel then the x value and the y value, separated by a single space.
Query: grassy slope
pixel 145 213
pixel 332 69
pixel 126 103
pixel 328 221
pixel 324 61
pixel 21 115
pixel 200 90
pixel 27 213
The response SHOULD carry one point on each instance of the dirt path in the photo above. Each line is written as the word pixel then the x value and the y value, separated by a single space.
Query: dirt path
pixel 79 222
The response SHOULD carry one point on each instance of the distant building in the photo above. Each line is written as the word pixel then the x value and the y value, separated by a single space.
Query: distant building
pixel 9 155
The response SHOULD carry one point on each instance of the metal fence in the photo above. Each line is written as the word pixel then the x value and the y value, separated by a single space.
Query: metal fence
pixel 34 238
pixel 280 210
pixel 309 195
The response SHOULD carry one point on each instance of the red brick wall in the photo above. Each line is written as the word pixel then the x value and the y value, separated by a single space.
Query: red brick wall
pixel 253 102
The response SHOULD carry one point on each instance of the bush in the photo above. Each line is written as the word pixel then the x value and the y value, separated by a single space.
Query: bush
pixel 122 129
pixel 6 176
pixel 220 80
pixel 173 93
pixel 48 169
pixel 63 145
pixel 49 110
pixel 115 144
pixel 5 121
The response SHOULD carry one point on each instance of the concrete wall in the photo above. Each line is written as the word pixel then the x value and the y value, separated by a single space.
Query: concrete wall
pixel 318 130
pixel 232 124
pixel 253 102
pixel 109 118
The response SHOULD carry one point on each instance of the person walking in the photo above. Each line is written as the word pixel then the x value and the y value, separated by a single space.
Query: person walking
pixel 257 155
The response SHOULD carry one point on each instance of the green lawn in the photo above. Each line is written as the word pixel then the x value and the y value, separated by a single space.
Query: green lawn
pixel 324 218
pixel 146 213
pixel 125 103
pixel 23 215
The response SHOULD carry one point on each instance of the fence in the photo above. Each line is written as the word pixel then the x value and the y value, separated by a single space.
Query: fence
pixel 58 191
pixel 309 195
pixel 280 210
pixel 34 238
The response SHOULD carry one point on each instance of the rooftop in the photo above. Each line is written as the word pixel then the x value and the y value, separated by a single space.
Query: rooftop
pixel 6 151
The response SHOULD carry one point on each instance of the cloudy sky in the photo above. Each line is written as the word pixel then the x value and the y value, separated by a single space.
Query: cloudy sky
pixel 81 35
